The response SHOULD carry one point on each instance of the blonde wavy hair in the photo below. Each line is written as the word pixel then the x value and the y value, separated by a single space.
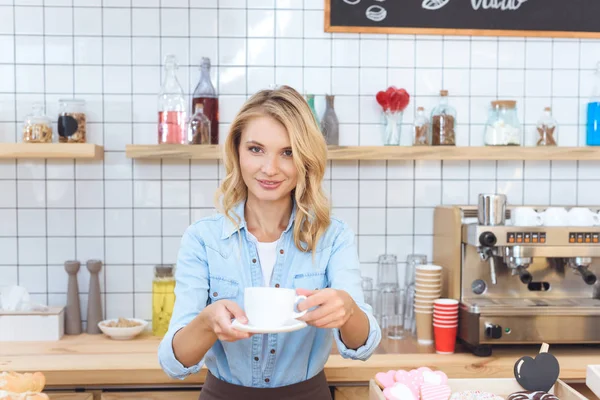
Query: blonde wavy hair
pixel 309 150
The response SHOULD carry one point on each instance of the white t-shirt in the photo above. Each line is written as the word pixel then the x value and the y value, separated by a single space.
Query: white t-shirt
pixel 267 254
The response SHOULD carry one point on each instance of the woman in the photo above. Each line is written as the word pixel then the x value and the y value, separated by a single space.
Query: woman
pixel 273 229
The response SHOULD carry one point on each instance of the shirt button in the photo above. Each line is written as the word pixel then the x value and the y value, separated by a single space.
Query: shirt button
pixel 255 358
pixel 254 260
pixel 281 251
pixel 277 285
pixel 272 351
pixel 267 380
pixel 215 294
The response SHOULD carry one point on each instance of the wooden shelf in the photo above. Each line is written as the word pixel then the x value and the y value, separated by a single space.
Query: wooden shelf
pixel 213 152
pixel 86 151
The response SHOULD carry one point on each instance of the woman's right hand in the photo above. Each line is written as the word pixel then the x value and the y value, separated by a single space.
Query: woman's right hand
pixel 219 318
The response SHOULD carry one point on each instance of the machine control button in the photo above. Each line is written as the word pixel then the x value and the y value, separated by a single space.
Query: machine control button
pixel 493 331
pixel 595 238
pixel 487 239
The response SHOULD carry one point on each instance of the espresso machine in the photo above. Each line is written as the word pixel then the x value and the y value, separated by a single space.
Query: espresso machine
pixel 517 284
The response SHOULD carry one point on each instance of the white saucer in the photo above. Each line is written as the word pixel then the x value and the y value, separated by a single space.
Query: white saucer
pixel 289 326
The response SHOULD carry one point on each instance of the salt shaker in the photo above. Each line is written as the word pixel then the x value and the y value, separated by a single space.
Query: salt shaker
pixel 73 309
pixel 94 313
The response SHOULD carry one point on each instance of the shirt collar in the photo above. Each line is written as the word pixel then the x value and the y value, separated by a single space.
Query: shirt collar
pixel 229 227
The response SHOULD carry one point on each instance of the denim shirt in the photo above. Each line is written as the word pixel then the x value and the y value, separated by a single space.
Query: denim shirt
pixel 212 266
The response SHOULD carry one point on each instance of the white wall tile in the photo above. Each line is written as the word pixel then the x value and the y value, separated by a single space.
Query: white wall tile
pixel 9 222
pixel 563 193
pixel 61 250
pixel 33 279
pixel 371 221
pixel 536 192
pixel 61 222
pixel 400 193
pixel 32 222
pixel 27 20
pixel 366 190
pixel 32 251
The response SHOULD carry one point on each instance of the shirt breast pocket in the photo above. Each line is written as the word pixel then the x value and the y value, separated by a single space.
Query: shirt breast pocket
pixel 310 280
pixel 223 289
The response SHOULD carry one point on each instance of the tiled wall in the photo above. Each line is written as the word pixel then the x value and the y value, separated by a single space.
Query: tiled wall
pixel 132 214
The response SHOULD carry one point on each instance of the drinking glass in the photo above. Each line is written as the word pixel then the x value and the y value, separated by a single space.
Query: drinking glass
pixel 390 304
pixel 412 260
pixel 387 271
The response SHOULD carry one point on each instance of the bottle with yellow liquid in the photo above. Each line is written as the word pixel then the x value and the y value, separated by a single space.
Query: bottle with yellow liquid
pixel 163 298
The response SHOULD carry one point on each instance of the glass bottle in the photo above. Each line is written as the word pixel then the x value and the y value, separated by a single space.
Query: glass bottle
pixel 37 127
pixel 206 94
pixel 421 128
pixel 71 121
pixel 503 127
pixel 547 129
pixel 163 298
pixel 199 127
pixel 329 123
pixel 172 124
pixel 443 122
pixel 593 112
pixel 310 99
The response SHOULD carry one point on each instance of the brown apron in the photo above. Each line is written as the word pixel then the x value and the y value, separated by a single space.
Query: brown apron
pixel 315 388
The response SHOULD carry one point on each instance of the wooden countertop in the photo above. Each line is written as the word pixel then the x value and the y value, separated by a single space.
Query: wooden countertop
pixel 95 360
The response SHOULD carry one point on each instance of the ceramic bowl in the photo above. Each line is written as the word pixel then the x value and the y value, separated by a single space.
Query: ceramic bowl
pixel 122 333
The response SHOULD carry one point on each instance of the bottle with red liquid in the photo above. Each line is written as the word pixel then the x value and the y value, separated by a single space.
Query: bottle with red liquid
pixel 206 94
pixel 172 116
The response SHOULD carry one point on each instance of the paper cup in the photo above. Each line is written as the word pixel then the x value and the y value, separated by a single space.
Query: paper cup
pixel 434 285
pixel 442 311
pixel 428 278
pixel 424 323
pixel 421 302
pixel 446 304
pixel 427 296
pixel 428 268
pixel 445 338
pixel 445 321
pixel 428 291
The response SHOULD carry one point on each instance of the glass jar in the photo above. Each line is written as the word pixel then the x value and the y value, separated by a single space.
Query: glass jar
pixel 546 129
pixel 421 129
pixel 37 127
pixel 163 298
pixel 71 121
pixel 443 122
pixel 503 127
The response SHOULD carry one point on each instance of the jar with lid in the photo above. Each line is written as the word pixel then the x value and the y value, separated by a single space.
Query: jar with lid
pixel 37 127
pixel 503 127
pixel 163 298
pixel 546 129
pixel 421 129
pixel 71 121
pixel 443 122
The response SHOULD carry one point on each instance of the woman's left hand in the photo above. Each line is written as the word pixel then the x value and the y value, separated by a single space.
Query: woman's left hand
pixel 334 307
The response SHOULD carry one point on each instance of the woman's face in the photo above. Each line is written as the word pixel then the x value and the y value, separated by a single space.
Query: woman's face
pixel 266 160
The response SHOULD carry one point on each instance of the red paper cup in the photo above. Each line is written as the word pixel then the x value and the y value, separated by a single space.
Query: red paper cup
pixel 445 338
pixel 445 321
pixel 446 304
pixel 445 317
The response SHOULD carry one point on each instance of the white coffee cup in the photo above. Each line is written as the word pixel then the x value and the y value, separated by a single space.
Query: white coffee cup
pixel 581 216
pixel 556 216
pixel 525 216
pixel 269 307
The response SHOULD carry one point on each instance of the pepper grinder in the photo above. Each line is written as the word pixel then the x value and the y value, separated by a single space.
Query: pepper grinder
pixel 94 313
pixel 73 311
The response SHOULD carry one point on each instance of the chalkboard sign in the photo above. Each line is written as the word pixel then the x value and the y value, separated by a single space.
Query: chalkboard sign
pixel 541 18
